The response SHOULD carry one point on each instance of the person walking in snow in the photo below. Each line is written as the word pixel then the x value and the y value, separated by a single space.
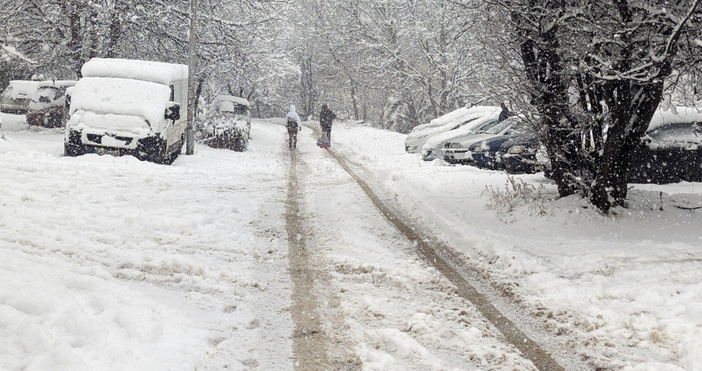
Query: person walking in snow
pixel 293 124
pixel 325 120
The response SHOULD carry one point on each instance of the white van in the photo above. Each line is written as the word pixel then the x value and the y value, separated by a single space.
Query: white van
pixel 129 107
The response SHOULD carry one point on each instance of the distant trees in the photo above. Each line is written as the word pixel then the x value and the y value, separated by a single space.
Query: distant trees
pixel 398 63
pixel 595 72
pixel 236 51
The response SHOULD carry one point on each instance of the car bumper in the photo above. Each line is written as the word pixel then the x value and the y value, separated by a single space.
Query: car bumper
pixel 515 164
pixel 456 155
pixel 484 160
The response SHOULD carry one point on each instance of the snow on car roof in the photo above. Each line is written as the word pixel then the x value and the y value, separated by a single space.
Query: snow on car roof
pixel 57 83
pixel 463 111
pixel 230 98
pixel 464 130
pixel 675 115
pixel 158 72
pixel 121 97
pixel 456 118
pixel 22 87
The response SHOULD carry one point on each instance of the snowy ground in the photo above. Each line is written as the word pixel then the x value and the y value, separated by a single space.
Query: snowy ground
pixel 116 264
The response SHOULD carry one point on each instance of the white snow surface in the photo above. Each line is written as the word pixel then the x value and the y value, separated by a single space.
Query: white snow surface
pixel 116 264
pixel 107 97
pixel 157 72
pixel 447 121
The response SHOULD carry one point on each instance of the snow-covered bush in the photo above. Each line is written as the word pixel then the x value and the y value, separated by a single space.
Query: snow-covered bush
pixel 222 130
pixel 517 193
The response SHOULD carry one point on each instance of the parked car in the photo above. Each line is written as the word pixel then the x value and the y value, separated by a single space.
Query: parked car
pixel 483 153
pixel 522 154
pixel 48 105
pixel 17 96
pixel 671 150
pixel 416 139
pixel 432 149
pixel 228 123
pixel 129 107
pixel 460 150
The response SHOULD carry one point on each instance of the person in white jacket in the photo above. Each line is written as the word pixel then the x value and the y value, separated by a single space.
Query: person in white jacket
pixel 293 124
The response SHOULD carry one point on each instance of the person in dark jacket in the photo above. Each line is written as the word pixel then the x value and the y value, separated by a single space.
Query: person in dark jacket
pixel 504 114
pixel 325 120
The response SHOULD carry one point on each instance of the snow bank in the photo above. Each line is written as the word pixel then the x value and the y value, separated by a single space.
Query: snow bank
pixel 158 72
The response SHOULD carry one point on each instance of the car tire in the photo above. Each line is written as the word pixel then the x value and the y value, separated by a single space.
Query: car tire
pixel 73 151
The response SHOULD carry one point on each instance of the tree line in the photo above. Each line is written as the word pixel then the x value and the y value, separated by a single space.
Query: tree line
pixel 588 73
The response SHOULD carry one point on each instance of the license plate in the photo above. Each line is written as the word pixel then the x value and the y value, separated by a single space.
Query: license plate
pixel 106 151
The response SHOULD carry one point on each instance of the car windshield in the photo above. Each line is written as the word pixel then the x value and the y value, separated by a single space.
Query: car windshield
pixel 489 125
pixel 679 132
pixel 47 94
pixel 463 123
pixel 7 94
pixel 498 127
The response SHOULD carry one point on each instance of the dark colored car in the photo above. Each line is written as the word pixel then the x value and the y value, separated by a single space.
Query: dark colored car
pixel 484 152
pixel 48 106
pixel 521 154
pixel 669 153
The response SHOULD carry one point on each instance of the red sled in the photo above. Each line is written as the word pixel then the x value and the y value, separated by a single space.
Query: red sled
pixel 323 141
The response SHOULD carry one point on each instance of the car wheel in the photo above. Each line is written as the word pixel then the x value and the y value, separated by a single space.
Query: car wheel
pixel 72 151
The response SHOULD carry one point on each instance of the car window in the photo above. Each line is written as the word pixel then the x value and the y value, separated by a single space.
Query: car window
pixel 489 125
pixel 499 127
pixel 231 107
pixel 47 94
pixel 679 132
pixel 7 94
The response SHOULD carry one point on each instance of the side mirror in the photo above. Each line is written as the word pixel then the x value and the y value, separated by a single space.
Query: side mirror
pixel 172 111
pixel 646 140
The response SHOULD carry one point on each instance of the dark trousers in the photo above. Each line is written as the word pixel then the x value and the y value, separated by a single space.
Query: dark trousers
pixel 292 137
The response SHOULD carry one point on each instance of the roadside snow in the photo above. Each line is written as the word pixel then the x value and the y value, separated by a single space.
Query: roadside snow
pixel 116 264
pixel 627 287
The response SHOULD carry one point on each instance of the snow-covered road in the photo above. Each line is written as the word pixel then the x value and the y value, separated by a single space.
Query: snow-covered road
pixel 113 264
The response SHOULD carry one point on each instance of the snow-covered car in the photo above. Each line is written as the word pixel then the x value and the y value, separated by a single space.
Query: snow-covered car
pixel 671 150
pixel 48 105
pixel 129 107
pixel 481 122
pixel 228 123
pixel 17 96
pixel 460 150
pixel 416 139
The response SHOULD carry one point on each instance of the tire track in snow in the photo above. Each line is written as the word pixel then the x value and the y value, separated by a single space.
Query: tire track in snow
pixel 512 333
pixel 309 340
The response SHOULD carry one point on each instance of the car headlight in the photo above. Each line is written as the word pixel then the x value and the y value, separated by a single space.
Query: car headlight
pixel 515 150
pixel 453 145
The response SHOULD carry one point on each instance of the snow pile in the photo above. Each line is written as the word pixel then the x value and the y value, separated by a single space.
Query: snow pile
pixel 157 72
